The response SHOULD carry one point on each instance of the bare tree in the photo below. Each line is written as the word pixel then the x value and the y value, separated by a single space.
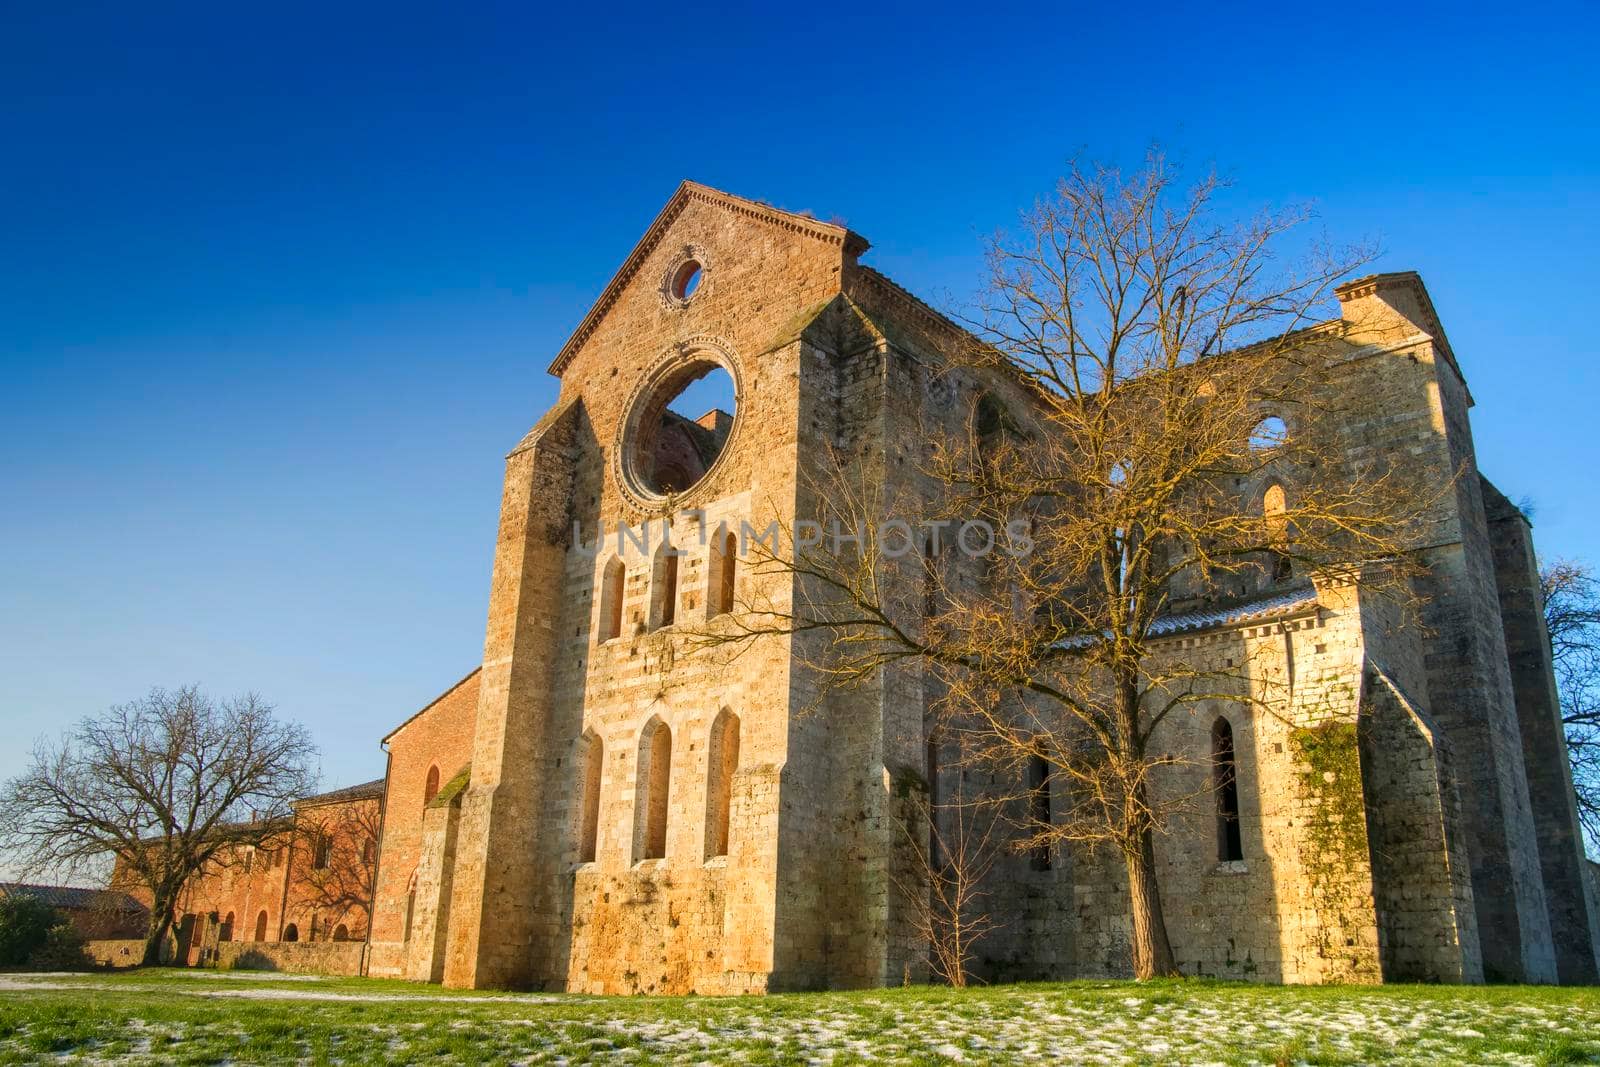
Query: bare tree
pixel 953 847
pixel 1572 614
pixel 165 785
pixel 343 848
pixel 1165 444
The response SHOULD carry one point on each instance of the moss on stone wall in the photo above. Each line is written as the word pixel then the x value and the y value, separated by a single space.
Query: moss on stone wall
pixel 1333 847
pixel 1330 770
pixel 905 781
pixel 453 788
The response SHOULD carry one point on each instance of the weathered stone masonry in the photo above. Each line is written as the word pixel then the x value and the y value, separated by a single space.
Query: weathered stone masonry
pixel 618 814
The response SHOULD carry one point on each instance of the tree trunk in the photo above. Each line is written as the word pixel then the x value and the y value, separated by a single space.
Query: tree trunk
pixel 152 944
pixel 1152 952
pixel 160 923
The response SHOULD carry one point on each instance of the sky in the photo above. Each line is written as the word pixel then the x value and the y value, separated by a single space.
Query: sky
pixel 279 284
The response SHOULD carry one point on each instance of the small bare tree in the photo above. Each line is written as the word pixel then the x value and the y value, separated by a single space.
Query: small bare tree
pixel 341 877
pixel 953 847
pixel 1572 614
pixel 1166 444
pixel 165 785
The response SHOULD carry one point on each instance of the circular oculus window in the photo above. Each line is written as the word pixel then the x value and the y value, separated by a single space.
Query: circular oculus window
pixel 683 277
pixel 679 424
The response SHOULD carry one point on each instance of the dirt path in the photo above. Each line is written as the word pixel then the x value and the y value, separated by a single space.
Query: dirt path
pixel 66 980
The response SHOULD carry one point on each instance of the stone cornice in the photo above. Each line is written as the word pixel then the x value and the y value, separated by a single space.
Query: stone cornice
pixel 1373 283
pixel 903 299
pixel 909 301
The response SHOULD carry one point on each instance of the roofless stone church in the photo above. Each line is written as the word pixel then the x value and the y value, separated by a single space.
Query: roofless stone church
pixel 595 809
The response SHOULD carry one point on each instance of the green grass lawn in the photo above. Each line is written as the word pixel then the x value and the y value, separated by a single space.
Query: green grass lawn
pixel 242 1017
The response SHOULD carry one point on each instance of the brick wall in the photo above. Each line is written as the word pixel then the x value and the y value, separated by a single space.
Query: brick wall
pixel 1427 927
pixel 518 911
pixel 257 894
pixel 1353 867
pixel 1404 401
pixel 438 738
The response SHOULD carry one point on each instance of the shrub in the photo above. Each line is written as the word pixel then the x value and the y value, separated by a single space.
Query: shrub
pixel 25 925
pixel 62 950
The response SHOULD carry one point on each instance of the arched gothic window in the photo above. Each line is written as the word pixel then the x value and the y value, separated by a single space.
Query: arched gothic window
pixel 1274 509
pixel 612 581
pixel 589 825
pixel 651 791
pixel 988 419
pixel 1039 795
pixel 935 798
pixel 1270 433
pixel 431 789
pixel 664 586
pixel 722 762
pixel 930 586
pixel 1225 783
pixel 725 558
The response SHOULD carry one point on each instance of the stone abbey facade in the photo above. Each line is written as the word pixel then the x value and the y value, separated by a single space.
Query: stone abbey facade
pixel 597 809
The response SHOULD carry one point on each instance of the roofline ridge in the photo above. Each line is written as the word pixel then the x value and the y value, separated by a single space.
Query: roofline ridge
pixel 918 306
pixel 347 792
pixel 772 213
pixel 915 302
pixel 46 885
pixel 457 684
pixel 851 242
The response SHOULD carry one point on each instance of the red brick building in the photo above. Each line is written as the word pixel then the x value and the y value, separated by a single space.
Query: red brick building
pixel 429 755
pixel 345 849
pixel 315 885
pixel 93 913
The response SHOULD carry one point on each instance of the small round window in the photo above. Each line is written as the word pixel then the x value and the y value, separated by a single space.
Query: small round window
pixel 684 277
pixel 682 427
pixel 685 280
pixel 1271 432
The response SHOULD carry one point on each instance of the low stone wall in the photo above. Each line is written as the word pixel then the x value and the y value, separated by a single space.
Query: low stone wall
pixel 302 957
pixel 386 959
pixel 321 957
pixel 114 953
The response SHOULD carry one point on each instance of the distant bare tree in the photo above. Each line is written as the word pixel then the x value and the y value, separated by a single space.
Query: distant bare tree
pixel 1163 374
pixel 165 785
pixel 1572 613
pixel 346 844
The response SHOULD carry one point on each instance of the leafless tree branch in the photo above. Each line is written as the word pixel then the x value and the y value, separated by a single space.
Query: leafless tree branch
pixel 166 785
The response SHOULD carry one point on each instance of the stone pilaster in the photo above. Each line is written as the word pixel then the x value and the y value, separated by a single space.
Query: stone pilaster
pixel 1574 917
pixel 505 928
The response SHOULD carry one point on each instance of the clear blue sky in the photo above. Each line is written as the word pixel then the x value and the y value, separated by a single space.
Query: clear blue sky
pixel 279 284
